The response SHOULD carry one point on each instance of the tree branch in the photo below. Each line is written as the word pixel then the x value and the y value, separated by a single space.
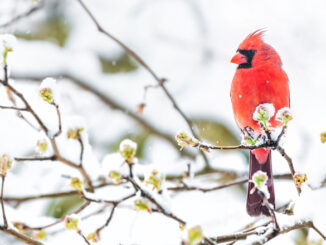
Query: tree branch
pixel 185 187
pixel 5 222
pixel 21 16
pixel 20 236
pixel 160 81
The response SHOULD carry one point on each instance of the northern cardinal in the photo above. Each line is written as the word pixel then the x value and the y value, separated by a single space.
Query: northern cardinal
pixel 259 79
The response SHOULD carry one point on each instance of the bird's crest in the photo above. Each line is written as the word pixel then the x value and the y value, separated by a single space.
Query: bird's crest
pixel 253 40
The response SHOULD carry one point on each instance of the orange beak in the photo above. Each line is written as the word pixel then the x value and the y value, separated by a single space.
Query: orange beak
pixel 239 59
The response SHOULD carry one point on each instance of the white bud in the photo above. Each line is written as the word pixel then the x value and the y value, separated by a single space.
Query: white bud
pixel 8 41
pixel 284 115
pixel 264 112
pixel 128 150
pixel 47 90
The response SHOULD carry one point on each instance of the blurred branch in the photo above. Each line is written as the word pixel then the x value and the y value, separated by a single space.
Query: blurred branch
pixel 160 81
pixel 50 195
pixel 23 15
pixel 107 100
pixel 22 159
pixel 186 187
pixel 13 108
pixel 20 236
pixel 25 227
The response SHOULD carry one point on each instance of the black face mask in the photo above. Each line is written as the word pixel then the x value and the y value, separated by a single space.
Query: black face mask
pixel 249 53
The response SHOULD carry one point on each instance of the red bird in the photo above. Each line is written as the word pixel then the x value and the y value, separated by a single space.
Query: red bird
pixel 258 79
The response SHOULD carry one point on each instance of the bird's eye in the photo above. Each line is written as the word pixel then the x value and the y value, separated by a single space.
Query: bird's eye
pixel 249 53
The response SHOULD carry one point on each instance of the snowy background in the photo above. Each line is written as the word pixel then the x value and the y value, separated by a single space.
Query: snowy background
pixel 189 42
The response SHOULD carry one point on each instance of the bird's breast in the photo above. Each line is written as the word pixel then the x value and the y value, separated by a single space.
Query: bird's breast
pixel 252 87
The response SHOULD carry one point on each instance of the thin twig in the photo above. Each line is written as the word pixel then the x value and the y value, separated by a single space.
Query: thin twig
pixel 83 236
pixel 219 187
pixel 97 232
pixel 52 195
pixel 5 222
pixel 114 202
pixel 21 16
pixel 81 151
pixel 59 120
pixel 13 108
pixel 22 159
pixel 28 228
pixel 290 163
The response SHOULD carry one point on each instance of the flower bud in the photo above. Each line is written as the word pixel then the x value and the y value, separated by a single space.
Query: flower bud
pixel 77 184
pixel 284 115
pixel 8 42
pixel 142 204
pixel 114 175
pixel 183 139
pixel 74 133
pixel 21 227
pixel 6 162
pixel 195 235
pixel 299 179
pixel 323 137
pixel 40 235
pixel 47 89
pixel 128 150
pixel 41 146
pixel 94 237
pixel 263 113
pixel 156 180
pixel 71 222
pixel 259 179
pixel 140 108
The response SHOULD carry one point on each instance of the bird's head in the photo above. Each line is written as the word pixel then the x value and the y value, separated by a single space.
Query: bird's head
pixel 254 52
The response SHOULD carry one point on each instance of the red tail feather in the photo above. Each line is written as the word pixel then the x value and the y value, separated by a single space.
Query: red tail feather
pixel 254 200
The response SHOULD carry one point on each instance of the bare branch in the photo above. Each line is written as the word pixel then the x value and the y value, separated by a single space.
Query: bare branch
pixel 21 16
pixel 97 232
pixel 160 81
pixel 22 159
pixel 13 108
pixel 59 120
pixel 5 222
pixel 81 152
pixel 185 187
pixel 290 163
pixel 50 195
pixel 20 236
pixel 83 236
